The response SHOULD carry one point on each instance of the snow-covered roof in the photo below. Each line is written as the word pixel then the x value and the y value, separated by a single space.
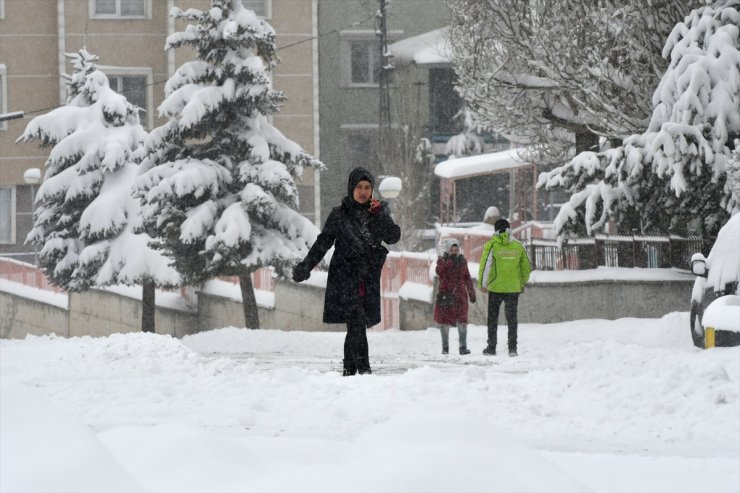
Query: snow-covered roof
pixel 481 164
pixel 430 48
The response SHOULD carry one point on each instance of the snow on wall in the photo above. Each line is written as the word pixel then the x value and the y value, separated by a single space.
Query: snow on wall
pixel 224 289
pixel 60 300
pixel 415 291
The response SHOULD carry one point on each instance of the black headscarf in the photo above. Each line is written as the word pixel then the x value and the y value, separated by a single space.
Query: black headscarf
pixel 360 212
pixel 355 177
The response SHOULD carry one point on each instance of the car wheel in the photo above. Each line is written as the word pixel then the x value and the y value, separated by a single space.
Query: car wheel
pixel 697 329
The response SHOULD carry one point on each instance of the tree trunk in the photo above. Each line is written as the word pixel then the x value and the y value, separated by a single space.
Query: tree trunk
pixel 147 306
pixel 249 303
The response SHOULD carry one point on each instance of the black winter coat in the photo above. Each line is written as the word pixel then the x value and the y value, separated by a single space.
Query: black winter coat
pixel 358 259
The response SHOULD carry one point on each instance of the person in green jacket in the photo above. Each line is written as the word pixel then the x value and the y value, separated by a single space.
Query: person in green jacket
pixel 504 270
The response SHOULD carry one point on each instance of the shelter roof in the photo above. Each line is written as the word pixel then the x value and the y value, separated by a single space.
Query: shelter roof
pixel 481 164
pixel 430 48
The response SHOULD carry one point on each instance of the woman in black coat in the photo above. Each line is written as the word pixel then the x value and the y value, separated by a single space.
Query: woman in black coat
pixel 356 229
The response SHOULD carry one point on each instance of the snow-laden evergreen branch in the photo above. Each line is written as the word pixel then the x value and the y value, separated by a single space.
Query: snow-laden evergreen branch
pixel 675 172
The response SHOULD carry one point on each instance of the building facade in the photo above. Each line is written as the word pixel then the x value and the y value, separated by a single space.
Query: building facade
pixel 129 36
pixel 349 99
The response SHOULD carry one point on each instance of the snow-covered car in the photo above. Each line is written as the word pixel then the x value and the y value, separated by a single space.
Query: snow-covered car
pixel 715 303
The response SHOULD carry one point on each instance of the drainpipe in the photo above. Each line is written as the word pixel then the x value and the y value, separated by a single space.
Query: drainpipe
pixel 316 135
pixel 170 31
pixel 62 45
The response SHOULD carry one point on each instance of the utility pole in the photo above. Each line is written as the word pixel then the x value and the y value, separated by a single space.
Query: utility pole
pixel 384 80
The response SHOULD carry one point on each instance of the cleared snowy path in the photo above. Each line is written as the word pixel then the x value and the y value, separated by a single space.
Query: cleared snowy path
pixel 626 405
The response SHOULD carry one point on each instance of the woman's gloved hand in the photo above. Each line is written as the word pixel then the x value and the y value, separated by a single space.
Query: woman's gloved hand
pixel 301 273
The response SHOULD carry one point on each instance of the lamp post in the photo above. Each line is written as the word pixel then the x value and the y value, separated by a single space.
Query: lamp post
pixel 32 177
pixel 390 187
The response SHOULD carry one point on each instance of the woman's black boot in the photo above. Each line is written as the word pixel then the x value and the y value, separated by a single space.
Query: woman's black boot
pixel 363 365
pixel 349 367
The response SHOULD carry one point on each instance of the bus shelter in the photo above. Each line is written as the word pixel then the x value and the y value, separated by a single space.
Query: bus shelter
pixel 522 181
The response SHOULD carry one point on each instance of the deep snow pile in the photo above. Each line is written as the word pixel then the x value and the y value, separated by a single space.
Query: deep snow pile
pixel 594 405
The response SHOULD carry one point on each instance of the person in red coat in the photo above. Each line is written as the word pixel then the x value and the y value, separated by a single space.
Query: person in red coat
pixel 455 289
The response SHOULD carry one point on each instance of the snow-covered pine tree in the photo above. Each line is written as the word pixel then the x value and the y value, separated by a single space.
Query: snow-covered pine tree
pixel 219 193
pixel 57 211
pixel 675 173
pixel 85 214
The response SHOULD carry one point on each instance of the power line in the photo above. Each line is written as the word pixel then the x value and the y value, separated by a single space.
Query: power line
pixel 354 24
pixel 158 82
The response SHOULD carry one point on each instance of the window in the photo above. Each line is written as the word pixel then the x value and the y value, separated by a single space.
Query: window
pixel 364 62
pixel 3 95
pixel 131 86
pixel 119 8
pixel 444 102
pixel 2 9
pixel 135 84
pixel 7 215
pixel 134 88
pixel 260 7
pixel 360 57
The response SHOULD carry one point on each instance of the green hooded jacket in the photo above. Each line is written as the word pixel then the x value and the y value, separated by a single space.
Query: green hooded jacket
pixel 504 265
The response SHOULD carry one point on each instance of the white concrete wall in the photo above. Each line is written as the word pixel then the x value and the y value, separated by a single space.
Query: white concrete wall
pixel 22 316
pixel 300 307
pixel 100 313
pixel 215 312
pixel 93 313
pixel 559 302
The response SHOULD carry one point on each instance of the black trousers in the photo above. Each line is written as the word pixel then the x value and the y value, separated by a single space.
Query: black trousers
pixel 356 353
pixel 510 301
pixel 355 343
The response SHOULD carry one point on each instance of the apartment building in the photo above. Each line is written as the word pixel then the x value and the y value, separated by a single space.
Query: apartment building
pixel 128 36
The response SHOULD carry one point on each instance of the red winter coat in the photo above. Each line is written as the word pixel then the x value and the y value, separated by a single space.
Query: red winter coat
pixel 454 278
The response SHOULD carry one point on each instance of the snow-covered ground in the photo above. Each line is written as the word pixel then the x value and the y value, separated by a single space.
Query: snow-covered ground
pixel 607 406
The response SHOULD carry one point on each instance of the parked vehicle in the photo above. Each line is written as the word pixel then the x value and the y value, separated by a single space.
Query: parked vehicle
pixel 715 300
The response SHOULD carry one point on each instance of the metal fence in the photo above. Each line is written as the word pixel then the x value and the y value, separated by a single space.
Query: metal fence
pixel 616 251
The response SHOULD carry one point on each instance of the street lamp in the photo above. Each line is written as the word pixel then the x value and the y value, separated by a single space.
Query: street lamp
pixel 32 177
pixel 390 187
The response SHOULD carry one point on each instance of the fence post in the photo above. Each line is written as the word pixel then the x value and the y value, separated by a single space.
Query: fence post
pixel 563 256
pixel 532 258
